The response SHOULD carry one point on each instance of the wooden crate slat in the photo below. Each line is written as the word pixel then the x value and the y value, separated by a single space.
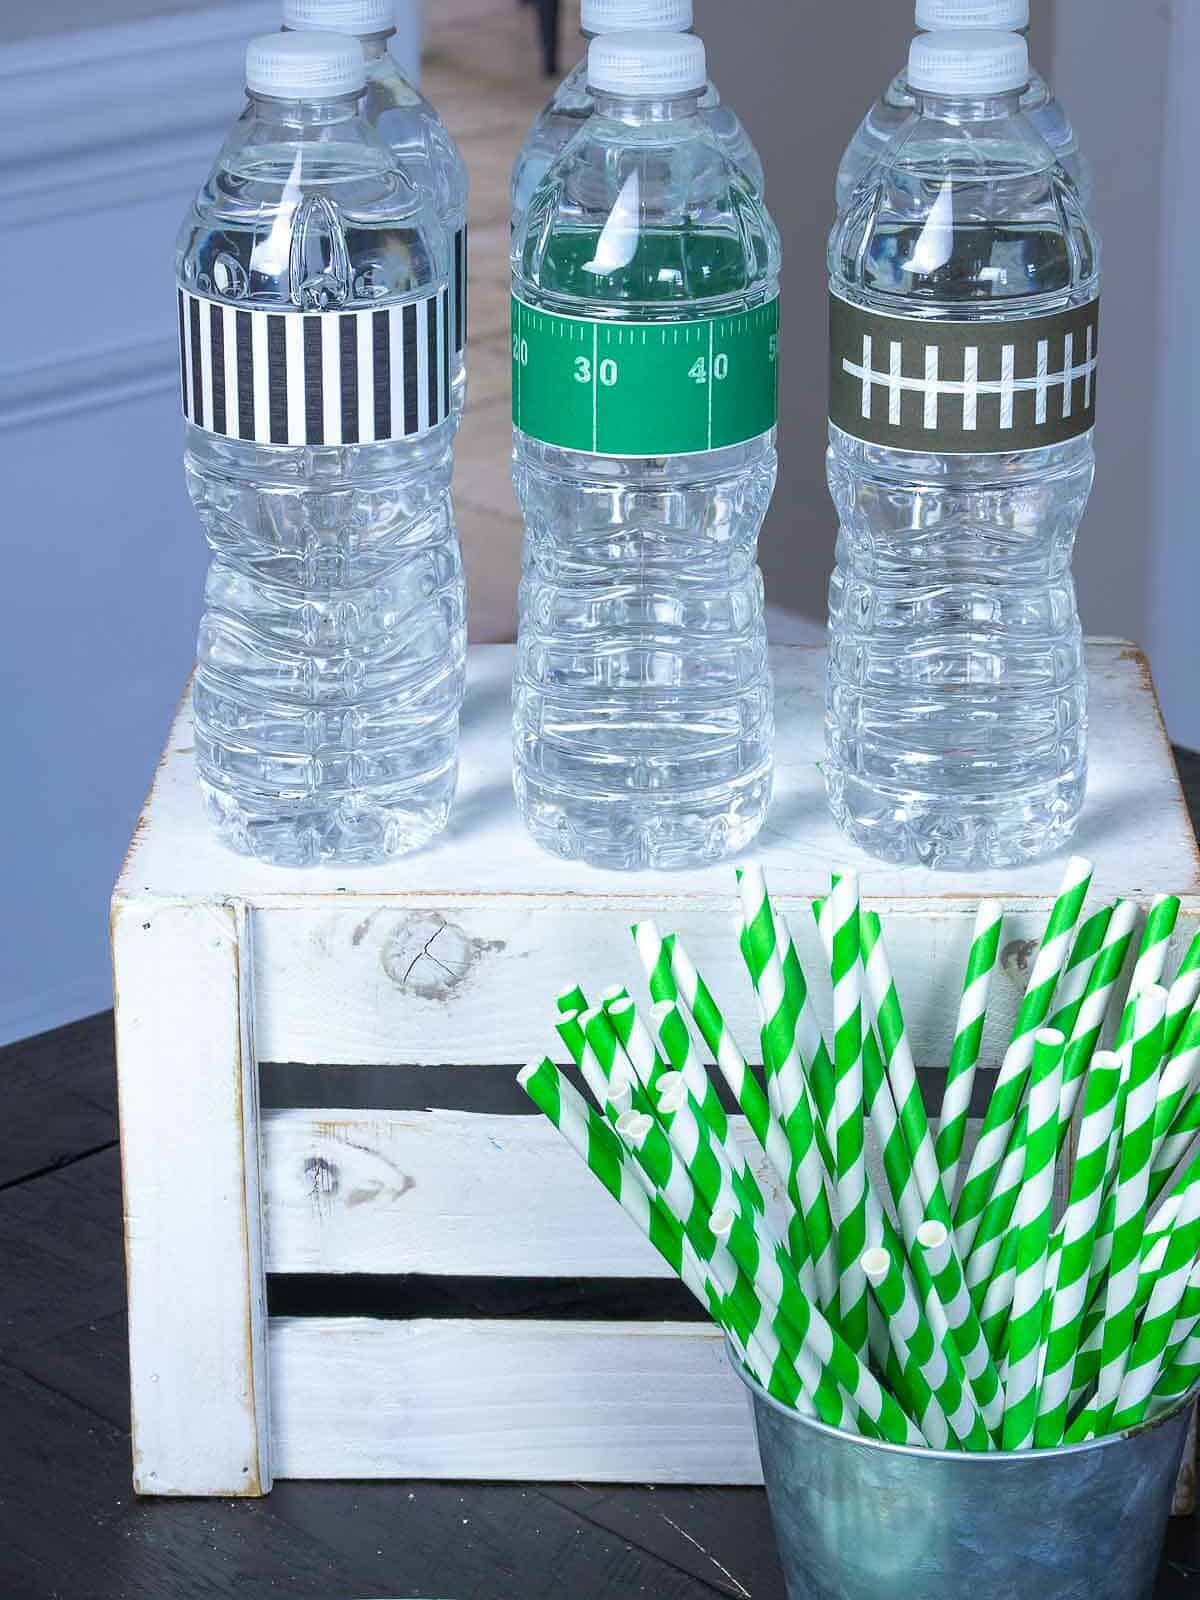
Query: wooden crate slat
pixel 329 989
pixel 455 1193
pixel 545 1401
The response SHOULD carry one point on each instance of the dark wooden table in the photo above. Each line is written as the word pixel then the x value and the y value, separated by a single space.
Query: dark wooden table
pixel 70 1528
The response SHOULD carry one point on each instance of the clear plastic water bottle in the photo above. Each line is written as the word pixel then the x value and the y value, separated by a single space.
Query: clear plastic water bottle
pixel 571 104
pixel 895 106
pixel 315 349
pixel 411 128
pixel 963 344
pixel 645 309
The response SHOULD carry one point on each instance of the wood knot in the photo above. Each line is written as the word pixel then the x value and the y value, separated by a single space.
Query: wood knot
pixel 430 957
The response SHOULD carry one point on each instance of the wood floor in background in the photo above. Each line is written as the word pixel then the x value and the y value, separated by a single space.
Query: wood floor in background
pixel 70 1529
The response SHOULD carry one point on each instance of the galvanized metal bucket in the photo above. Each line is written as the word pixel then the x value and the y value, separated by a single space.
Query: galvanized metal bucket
pixel 859 1520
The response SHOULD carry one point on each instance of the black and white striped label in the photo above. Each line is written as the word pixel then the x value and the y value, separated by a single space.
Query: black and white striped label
pixel 315 377
pixel 460 290
pixel 963 388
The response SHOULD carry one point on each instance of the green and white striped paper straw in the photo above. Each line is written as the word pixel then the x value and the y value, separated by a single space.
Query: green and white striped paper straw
pixel 881 1110
pixel 731 1295
pixel 1074 982
pixel 1178 1084
pixel 901 1070
pixel 636 1042
pixel 610 1081
pixel 1033 1218
pixel 810 1041
pixel 846 1131
pixel 968 1040
pixel 1089 975
pixel 946 1413
pixel 934 1251
pixel 604 1048
pixel 1153 1254
pixel 1190 963
pixel 1180 1378
pixel 797 1322
pixel 1147 971
pixel 1129 1210
pixel 600 1148
pixel 897 1161
pixel 572 999
pixel 998 1123
pixel 695 1144
pixel 1181 1002
pixel 675 1037
pixel 1158 1233
pixel 672 975
pixel 781 1059
pixel 1084 1034
pixel 1076 1234
pixel 1153 1347
pixel 675 1190
pixel 745 1086
pixel 1177 1116
pixel 1151 959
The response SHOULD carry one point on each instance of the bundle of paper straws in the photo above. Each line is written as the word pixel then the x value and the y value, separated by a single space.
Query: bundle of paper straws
pixel 965 1314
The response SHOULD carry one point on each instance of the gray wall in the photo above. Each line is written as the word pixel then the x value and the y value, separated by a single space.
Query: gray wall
pixel 1172 555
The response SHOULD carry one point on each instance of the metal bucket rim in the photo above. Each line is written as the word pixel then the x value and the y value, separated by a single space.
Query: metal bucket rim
pixel 976 1457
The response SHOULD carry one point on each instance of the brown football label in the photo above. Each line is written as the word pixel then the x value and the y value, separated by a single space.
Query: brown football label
pixel 962 388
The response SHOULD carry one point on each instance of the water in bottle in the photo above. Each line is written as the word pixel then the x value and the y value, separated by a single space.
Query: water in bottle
pixel 571 103
pixel 645 310
pixel 411 128
pixel 895 106
pixel 315 347
pixel 964 286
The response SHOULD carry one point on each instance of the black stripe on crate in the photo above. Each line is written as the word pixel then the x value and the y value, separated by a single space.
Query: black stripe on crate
pixel 216 333
pixel 360 1294
pixel 277 379
pixel 314 383
pixel 294 1085
pixel 494 1090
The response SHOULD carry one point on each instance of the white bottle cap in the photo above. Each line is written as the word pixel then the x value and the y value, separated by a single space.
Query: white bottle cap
pixel 358 17
pixel 973 62
pixel 619 16
pixel 1008 15
pixel 305 66
pixel 646 64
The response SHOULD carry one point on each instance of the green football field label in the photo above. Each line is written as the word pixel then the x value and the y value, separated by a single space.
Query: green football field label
pixel 644 388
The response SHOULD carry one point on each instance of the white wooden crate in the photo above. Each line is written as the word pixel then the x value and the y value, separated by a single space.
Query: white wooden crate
pixel 451 959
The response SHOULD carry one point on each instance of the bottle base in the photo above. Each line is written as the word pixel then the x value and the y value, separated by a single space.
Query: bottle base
pixel 950 835
pixel 352 832
pixel 659 834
